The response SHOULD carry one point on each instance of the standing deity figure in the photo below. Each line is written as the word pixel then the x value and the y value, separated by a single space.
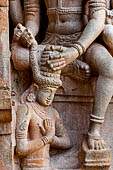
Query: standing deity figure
pixel 38 124
pixel 69 38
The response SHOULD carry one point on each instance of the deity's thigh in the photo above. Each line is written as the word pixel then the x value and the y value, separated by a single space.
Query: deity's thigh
pixel 100 60
pixel 20 57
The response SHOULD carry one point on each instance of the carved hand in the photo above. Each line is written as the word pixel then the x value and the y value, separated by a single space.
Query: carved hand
pixel 59 56
pixel 23 36
pixel 49 129
pixel 109 16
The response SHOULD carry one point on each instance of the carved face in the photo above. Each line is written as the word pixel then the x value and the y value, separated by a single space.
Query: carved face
pixel 46 95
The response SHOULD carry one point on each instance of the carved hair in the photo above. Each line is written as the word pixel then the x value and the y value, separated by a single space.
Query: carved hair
pixel 43 79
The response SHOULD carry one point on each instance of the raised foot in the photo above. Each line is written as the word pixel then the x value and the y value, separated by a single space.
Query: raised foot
pixel 82 70
pixel 96 143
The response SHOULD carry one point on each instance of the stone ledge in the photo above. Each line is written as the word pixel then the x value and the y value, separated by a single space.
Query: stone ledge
pixel 75 99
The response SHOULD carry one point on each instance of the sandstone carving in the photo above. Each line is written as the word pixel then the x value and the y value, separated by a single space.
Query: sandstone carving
pixel 73 27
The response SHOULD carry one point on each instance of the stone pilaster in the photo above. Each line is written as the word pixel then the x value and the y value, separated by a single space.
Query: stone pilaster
pixel 5 92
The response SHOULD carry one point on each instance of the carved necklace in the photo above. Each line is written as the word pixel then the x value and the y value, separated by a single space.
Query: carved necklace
pixel 41 113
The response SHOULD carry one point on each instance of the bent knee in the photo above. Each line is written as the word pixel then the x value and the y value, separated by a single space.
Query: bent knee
pixel 100 60
pixel 107 35
pixel 20 57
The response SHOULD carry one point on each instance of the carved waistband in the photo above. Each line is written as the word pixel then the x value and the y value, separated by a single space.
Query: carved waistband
pixel 39 163
pixel 57 39
pixel 63 10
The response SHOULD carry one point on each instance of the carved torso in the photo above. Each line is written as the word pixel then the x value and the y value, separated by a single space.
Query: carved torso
pixel 64 18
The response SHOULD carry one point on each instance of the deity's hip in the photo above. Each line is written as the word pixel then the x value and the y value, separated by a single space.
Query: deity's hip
pixel 64 40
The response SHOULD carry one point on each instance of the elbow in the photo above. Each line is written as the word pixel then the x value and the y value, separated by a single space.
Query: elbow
pixel 21 151
pixel 68 144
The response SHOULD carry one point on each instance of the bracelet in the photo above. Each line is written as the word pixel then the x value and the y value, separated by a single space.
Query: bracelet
pixel 97 119
pixel 45 140
pixel 78 49
pixel 83 48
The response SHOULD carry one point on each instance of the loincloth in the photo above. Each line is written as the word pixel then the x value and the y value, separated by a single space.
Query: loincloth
pixel 64 40
pixel 35 164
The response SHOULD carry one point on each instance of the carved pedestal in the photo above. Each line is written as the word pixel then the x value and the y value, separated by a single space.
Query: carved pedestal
pixel 95 159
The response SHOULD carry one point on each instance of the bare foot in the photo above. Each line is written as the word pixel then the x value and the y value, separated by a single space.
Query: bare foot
pixel 96 143
pixel 81 70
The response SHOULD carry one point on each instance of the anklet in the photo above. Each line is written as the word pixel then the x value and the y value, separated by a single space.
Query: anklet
pixel 97 119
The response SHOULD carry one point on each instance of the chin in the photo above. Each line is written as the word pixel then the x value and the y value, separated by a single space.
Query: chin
pixel 47 104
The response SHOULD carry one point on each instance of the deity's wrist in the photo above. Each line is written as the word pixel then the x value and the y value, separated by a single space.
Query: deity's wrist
pixel 79 47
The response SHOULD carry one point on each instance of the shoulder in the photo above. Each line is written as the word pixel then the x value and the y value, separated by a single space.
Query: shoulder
pixel 22 110
pixel 55 113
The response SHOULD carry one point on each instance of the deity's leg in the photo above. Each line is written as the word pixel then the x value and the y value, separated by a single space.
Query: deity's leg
pixel 107 36
pixel 20 57
pixel 101 63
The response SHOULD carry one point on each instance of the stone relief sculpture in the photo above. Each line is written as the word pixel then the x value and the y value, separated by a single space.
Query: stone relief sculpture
pixel 65 55
pixel 67 38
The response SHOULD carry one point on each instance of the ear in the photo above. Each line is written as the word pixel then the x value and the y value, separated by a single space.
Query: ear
pixel 31 89
pixel 35 87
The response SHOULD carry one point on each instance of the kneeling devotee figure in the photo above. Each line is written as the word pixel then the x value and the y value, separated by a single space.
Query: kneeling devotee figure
pixel 38 124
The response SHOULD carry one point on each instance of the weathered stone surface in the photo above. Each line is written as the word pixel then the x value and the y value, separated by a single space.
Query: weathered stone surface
pixel 74 100
pixel 4 50
pixel 5 152
pixel 4 3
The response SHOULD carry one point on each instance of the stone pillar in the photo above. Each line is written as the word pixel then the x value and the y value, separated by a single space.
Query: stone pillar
pixel 95 159
pixel 5 93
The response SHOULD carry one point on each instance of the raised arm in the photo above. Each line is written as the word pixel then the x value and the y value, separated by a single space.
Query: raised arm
pixel 95 25
pixel 97 13
pixel 32 15
pixel 24 146
pixel 96 22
